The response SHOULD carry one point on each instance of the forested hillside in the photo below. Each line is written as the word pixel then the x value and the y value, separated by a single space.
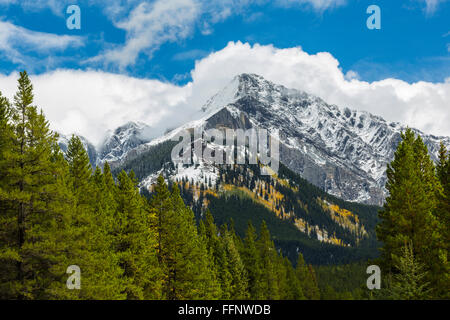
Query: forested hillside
pixel 301 217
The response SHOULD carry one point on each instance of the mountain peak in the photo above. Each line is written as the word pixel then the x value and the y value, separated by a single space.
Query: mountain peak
pixel 249 78
pixel 130 125
pixel 123 139
pixel 240 86
pixel 254 86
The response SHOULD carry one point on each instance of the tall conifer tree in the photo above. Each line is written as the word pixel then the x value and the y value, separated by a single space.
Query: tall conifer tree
pixel 306 275
pixel 90 225
pixel 252 262
pixel 31 198
pixel 442 214
pixel 409 212
pixel 136 242
pixel 269 261
pixel 410 281
pixel 238 286
pixel 217 253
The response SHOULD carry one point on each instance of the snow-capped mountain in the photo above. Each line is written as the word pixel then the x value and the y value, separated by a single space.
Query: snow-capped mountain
pixel 342 151
pixel 115 145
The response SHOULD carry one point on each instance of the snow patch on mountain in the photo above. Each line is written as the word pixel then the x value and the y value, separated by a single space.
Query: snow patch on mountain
pixel 200 173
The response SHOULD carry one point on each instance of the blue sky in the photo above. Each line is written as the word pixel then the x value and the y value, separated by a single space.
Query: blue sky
pixel 412 45
pixel 159 61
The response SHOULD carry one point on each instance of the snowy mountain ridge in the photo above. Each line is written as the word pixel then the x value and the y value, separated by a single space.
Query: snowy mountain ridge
pixel 340 150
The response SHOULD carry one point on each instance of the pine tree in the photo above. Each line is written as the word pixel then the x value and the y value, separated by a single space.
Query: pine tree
pixel 35 204
pixel 307 279
pixel 269 257
pixel 281 277
pixel 135 241
pixel 5 133
pixel 294 289
pixel 409 282
pixel 108 178
pixel 442 166
pixel 442 214
pixel 443 207
pixel 9 255
pixel 434 250
pixel 181 253
pixel 217 253
pixel 406 209
pixel 6 136
pixel 409 214
pixel 238 287
pixel 108 275
pixel 62 234
pixel 162 208
pixel 90 228
pixel 192 270
pixel 252 262
pixel 80 169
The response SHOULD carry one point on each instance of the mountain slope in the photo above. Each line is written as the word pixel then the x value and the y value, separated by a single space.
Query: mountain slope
pixel 301 217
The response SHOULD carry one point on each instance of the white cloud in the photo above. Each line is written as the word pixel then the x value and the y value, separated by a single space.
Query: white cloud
pixel 15 40
pixel 13 35
pixel 90 102
pixel 350 75
pixel 432 5
pixel 190 55
pixel 319 5
pixel 56 6
pixel 148 26
pixel 151 24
